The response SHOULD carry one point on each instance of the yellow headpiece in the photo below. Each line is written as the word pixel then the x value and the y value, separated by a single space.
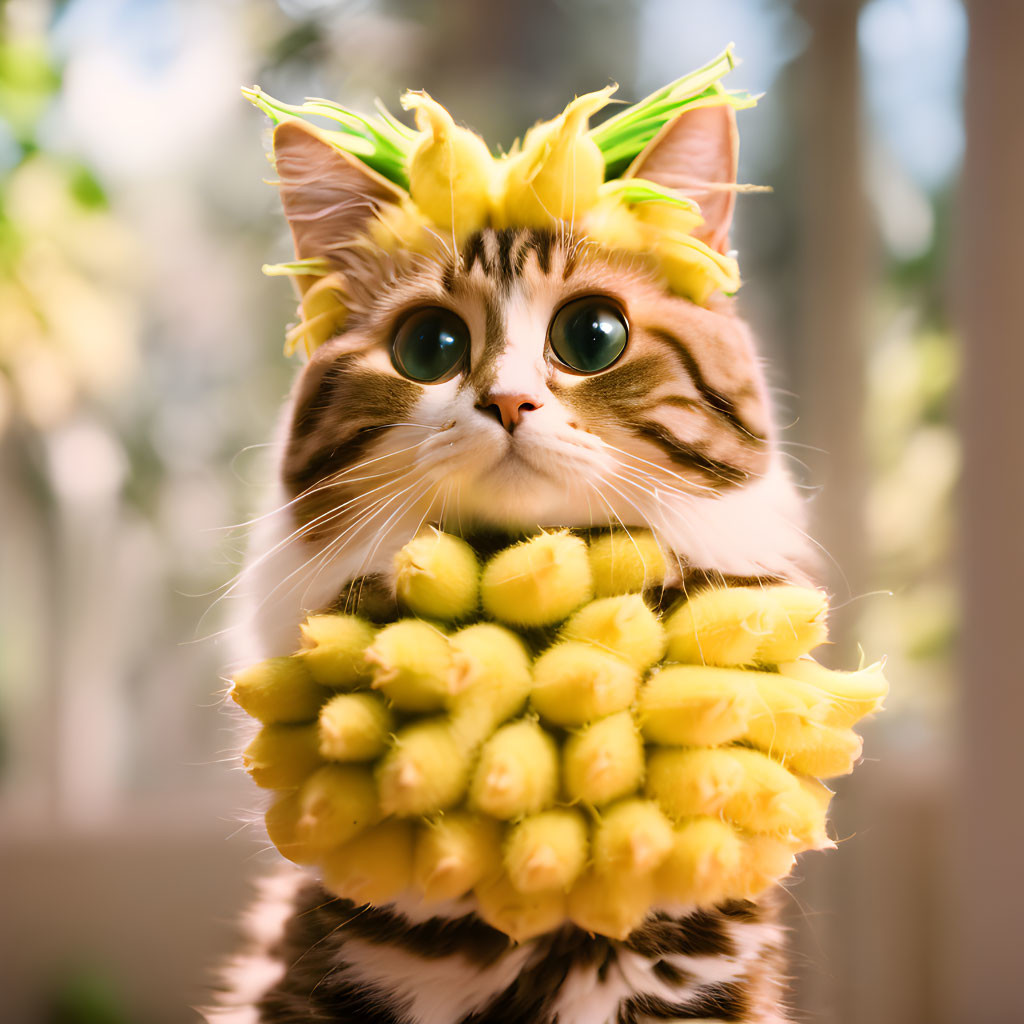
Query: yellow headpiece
pixel 562 173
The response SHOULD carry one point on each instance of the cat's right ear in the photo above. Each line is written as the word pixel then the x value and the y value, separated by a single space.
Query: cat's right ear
pixel 328 196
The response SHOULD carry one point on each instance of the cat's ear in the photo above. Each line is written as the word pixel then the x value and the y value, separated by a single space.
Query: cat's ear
pixel 697 153
pixel 328 196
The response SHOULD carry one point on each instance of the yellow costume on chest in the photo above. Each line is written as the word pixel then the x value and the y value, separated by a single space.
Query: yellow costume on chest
pixel 535 733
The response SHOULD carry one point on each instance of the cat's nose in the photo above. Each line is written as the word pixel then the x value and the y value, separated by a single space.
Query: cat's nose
pixel 508 409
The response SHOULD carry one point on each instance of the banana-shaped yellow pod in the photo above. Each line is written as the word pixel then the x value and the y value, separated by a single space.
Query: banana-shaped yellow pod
pixel 278 691
pixel 334 649
pixel 355 727
pixel 411 663
pixel 517 772
pixel 453 852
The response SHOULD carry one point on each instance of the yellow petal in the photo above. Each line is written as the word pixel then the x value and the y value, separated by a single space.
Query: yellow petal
pixel 450 171
pixel 560 169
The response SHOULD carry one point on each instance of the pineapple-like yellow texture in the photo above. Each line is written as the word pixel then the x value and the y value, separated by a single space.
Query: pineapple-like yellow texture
pixel 575 682
pixel 517 772
pixel 355 727
pixel 622 625
pixel 281 756
pixel 537 582
pixel 546 851
pixel 333 649
pixel 489 682
pixel 453 852
pixel 411 663
pixel 438 766
pixel 278 691
pixel 450 171
pixel 437 576
pixel 633 838
pixel 604 760
pixel 626 563
pixel 424 772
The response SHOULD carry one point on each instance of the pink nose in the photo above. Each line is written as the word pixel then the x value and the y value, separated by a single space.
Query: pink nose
pixel 508 409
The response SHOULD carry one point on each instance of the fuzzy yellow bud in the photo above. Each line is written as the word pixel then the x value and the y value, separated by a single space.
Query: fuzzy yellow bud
pixel 560 169
pixel 692 268
pixel 610 904
pixel 453 852
pixel 622 625
pixel 450 170
pixel 517 772
pixel 282 820
pixel 375 866
pixel 702 864
pixel 735 626
pixel 537 582
pixel 797 624
pixel 765 860
pixel 424 772
pixel 690 705
pixel 744 786
pixel 281 756
pixel 574 683
pixel 411 665
pixel 520 915
pixel 336 803
pixel 437 576
pixel 821 751
pixel 851 695
pixel 633 837
pixel 604 760
pixel 718 626
pixel 546 851
pixel 333 649
pixel 278 690
pixel 490 680
pixel 626 563
pixel 354 727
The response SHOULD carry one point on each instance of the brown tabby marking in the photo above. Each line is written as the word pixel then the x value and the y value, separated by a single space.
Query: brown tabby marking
pixel 685 394
pixel 325 923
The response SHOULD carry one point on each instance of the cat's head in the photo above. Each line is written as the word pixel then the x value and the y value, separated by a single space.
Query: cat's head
pixel 527 377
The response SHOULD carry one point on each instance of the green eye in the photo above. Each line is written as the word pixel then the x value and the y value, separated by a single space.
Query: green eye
pixel 589 334
pixel 430 345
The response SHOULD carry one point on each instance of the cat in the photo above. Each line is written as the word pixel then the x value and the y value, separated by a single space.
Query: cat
pixel 451 397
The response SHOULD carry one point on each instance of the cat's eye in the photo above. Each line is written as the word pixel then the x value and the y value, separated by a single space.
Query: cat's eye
pixel 430 345
pixel 589 334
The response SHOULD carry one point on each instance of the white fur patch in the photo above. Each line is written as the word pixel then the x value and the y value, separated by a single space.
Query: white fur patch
pixel 431 991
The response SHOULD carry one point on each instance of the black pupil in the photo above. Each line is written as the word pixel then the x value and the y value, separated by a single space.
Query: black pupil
pixel 430 344
pixel 588 335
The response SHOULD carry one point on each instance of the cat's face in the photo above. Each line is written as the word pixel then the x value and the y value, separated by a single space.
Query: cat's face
pixel 521 379
pixel 526 380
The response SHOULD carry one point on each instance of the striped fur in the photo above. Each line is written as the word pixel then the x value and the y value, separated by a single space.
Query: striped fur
pixel 675 436
pixel 377 965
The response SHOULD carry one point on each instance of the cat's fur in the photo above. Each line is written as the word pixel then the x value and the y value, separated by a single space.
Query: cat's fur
pixel 675 436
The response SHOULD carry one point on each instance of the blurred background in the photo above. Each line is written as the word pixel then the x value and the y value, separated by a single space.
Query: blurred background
pixel 141 373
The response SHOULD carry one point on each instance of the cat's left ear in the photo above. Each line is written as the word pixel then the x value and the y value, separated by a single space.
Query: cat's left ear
pixel 328 196
pixel 696 153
